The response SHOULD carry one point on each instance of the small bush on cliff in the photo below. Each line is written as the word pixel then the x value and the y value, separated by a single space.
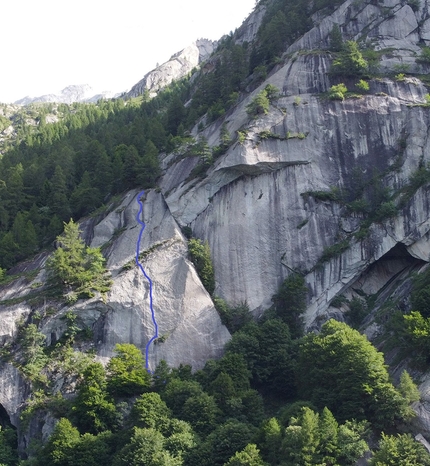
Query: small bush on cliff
pixel 259 104
pixel 363 85
pixel 425 56
pixel 337 92
pixel 357 312
pixel 233 317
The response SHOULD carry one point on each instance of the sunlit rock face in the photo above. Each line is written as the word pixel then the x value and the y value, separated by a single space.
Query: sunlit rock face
pixel 178 66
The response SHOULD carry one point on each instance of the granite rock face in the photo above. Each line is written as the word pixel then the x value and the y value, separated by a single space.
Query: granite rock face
pixel 253 211
pixel 253 208
pixel 183 310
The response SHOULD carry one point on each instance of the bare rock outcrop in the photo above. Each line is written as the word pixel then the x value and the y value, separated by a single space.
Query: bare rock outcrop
pixel 179 65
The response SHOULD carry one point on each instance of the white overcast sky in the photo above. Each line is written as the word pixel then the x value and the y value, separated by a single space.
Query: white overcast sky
pixel 108 44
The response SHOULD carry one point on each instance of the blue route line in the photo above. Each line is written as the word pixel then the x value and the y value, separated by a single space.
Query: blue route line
pixel 146 276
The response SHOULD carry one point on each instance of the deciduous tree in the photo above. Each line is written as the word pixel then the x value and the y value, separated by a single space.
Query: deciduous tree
pixel 126 371
pixel 339 368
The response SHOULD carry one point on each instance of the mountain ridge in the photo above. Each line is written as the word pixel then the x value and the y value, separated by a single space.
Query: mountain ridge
pixel 68 95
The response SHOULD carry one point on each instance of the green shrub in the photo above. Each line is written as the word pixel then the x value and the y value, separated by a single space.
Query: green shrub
pixel 334 195
pixel 241 136
pixel 259 104
pixel 337 92
pixel 233 317
pixel 187 231
pixel 363 85
pixel 338 300
pixel 357 311
pixel 359 205
pixel 402 68
pixel 414 4
pixel 272 92
pixel 385 210
pixel 333 251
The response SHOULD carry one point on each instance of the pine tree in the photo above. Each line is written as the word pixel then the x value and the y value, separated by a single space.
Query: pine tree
pixel 30 242
pixel 148 167
pixel 8 250
pixel 75 267
pixel 350 61
pixel 336 41
pixel 328 428
pixel 103 176
pixel 130 166
pixel 85 197
pixel 58 199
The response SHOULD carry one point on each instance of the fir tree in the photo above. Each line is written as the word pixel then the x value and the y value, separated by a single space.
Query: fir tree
pixel 76 267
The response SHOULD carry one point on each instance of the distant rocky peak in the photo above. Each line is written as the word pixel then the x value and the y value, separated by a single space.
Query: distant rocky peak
pixel 68 95
pixel 178 65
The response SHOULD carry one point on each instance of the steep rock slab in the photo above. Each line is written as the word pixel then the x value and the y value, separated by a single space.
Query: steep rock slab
pixel 189 327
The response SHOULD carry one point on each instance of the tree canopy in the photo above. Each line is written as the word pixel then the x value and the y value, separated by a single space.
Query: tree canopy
pixel 339 368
